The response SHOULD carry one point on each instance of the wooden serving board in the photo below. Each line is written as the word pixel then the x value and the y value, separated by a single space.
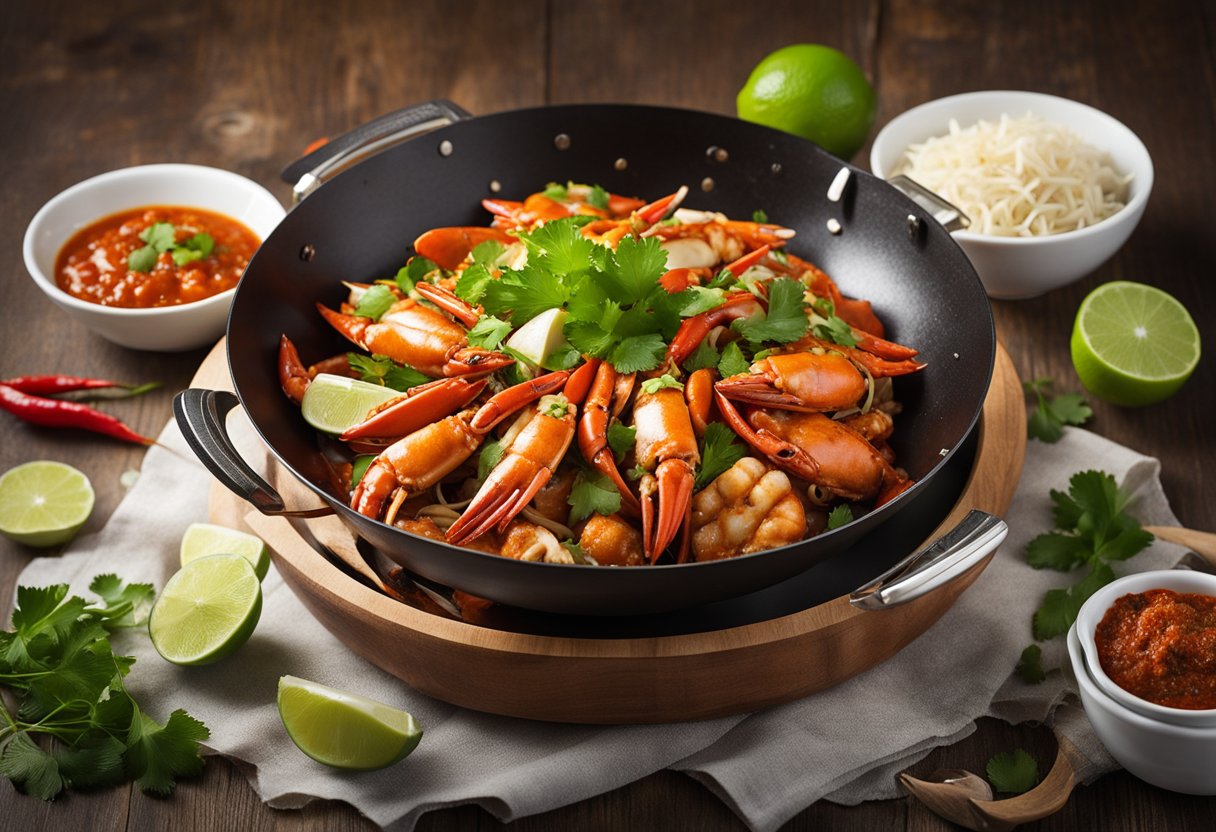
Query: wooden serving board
pixel 626 680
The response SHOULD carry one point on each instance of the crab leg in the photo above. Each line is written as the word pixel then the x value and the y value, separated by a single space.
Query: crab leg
pixel 877 366
pixel 503 404
pixel 416 408
pixel 666 448
pixel 447 300
pixel 798 381
pixel 293 377
pixel 693 330
pixel 449 247
pixel 593 434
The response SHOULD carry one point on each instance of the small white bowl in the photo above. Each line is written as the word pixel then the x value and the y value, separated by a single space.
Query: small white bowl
pixel 1173 757
pixel 1024 267
pixel 165 328
pixel 1091 613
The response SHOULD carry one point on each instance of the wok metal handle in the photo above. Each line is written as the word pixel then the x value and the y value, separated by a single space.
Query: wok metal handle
pixel 200 415
pixel 948 215
pixel 307 174
pixel 968 543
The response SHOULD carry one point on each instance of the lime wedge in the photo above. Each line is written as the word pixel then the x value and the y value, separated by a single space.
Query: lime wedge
pixel 334 403
pixel 44 503
pixel 206 611
pixel 203 539
pixel 1133 344
pixel 343 729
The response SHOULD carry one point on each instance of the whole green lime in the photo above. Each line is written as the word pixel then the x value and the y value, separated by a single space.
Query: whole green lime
pixel 812 91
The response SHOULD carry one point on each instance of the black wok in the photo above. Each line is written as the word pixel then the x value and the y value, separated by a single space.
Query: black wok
pixel 360 225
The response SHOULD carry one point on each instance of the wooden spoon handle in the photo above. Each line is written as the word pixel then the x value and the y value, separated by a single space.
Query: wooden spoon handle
pixel 1201 543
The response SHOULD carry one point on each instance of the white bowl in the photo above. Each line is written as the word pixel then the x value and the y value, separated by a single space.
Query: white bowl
pixel 1173 757
pixel 1091 613
pixel 1023 267
pixel 166 328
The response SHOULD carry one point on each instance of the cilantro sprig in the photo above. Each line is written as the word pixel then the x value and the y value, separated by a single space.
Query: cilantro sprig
pixel 1092 529
pixel 160 237
pixel 786 319
pixel 382 370
pixel 719 451
pixel 75 725
pixel 593 493
pixel 1052 413
pixel 1030 666
pixel 1013 772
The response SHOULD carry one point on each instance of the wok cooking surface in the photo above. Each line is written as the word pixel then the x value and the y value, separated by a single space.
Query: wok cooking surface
pixel 359 226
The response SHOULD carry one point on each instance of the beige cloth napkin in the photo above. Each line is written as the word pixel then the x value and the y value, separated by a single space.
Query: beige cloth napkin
pixel 845 744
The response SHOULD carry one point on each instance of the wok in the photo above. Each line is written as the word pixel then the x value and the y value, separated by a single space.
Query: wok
pixel 359 226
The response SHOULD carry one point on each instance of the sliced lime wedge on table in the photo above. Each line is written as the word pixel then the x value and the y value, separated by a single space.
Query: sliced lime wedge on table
pixel 343 729
pixel 207 610
pixel 334 403
pixel 44 503
pixel 1133 344
pixel 204 539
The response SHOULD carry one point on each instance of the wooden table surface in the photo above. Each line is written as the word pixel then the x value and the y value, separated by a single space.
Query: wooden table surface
pixel 87 87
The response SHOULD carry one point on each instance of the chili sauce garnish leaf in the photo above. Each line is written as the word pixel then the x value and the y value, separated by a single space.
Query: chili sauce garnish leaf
pixel 719 451
pixel 593 493
pixel 488 333
pixel 1030 666
pixel 839 516
pixel 703 357
pixel 142 259
pixel 161 236
pixel 1013 772
pixel 786 319
pixel 1052 413
pixel 621 438
pixel 653 385
pixel 637 353
pixel 375 302
pixel 380 369
pixel 733 363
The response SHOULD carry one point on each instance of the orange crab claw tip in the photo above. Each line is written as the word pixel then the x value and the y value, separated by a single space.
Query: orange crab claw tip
pixel 656 210
pixel 738 267
pixel 675 500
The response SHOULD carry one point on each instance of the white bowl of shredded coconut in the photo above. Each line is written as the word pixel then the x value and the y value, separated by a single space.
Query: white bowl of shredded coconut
pixel 1052 187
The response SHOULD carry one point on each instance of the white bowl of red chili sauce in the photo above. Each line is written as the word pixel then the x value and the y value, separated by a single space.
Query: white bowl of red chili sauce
pixel 148 257
pixel 1175 757
pixel 1149 641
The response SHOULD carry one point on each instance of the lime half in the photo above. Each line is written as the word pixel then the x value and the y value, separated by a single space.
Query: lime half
pixel 44 503
pixel 334 403
pixel 207 610
pixel 1133 344
pixel 343 729
pixel 204 539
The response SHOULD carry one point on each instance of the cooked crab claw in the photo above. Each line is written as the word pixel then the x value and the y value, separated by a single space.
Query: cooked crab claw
pixel 417 407
pixel 672 483
pixel 501 405
pixel 666 449
pixel 449 247
pixel 798 381
pixel 293 377
pixel 593 434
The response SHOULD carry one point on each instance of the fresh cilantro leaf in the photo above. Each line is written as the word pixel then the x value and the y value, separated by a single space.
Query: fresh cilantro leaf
pixel 182 256
pixel 142 259
pixel 158 754
pixel 588 338
pixel 636 472
pixel 95 763
pixel 491 455
pixel 780 256
pixel 593 493
pixel 759 215
pixel 359 467
pixel 1030 666
pixel 634 270
pixel 161 236
pixel 486 253
pixel 698 299
pixel 589 302
pixel 1054 615
pixel 724 279
pixel 597 197
pixel 124 600
pixel 29 767
pixel 472 283
pixel 380 369
pixel 1057 551
pixel 653 385
pixel 522 295
pixel 834 329
pixel 621 439
pixel 556 191
pixel 1013 772
pixel 1130 540
pixel 417 271
pixel 733 363
pixel 637 353
pixel 562 357
pixel 719 451
pixel 375 302
pixel 786 319
pixel 488 333
pixel 703 356
pixel 577 552
pixel 561 246
pixel 201 242
pixel 1052 413
pixel 838 516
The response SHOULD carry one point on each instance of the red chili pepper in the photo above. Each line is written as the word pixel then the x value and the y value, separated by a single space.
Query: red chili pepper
pixel 56 413
pixel 50 385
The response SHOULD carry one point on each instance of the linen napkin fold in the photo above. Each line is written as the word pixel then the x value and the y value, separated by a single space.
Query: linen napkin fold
pixel 845 744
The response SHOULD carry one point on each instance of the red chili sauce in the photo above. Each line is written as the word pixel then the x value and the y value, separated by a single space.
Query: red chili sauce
pixel 1160 645
pixel 93 264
